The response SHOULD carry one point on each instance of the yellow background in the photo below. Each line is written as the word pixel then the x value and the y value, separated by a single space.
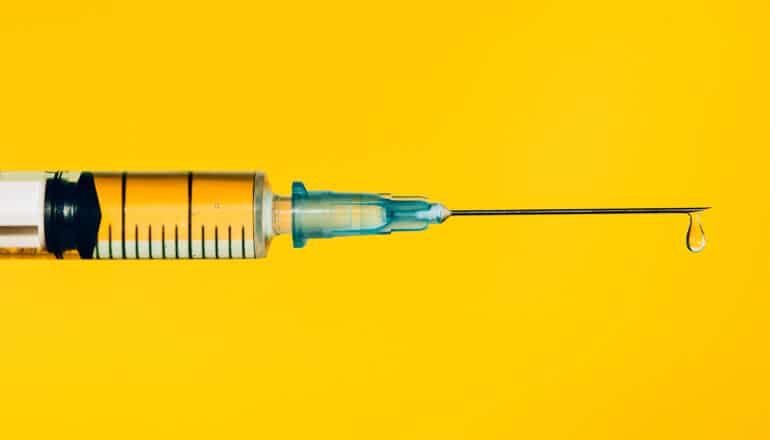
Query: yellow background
pixel 600 327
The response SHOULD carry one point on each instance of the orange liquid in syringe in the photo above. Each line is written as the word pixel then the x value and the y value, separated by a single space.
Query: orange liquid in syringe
pixel 182 215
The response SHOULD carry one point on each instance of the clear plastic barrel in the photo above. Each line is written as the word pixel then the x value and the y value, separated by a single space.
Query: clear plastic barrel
pixel 173 215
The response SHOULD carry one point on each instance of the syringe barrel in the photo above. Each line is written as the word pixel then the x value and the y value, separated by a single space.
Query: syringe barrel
pixel 121 215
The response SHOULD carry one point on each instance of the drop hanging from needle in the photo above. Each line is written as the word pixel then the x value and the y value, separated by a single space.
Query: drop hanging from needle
pixel 696 238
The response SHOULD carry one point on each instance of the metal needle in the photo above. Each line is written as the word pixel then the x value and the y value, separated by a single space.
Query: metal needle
pixel 573 211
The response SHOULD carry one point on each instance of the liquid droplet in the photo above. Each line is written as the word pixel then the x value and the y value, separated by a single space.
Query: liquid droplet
pixel 696 238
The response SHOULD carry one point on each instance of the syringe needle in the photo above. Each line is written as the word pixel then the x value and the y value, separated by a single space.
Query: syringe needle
pixel 573 211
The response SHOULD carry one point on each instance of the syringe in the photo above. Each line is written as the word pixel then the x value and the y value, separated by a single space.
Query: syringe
pixel 202 215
